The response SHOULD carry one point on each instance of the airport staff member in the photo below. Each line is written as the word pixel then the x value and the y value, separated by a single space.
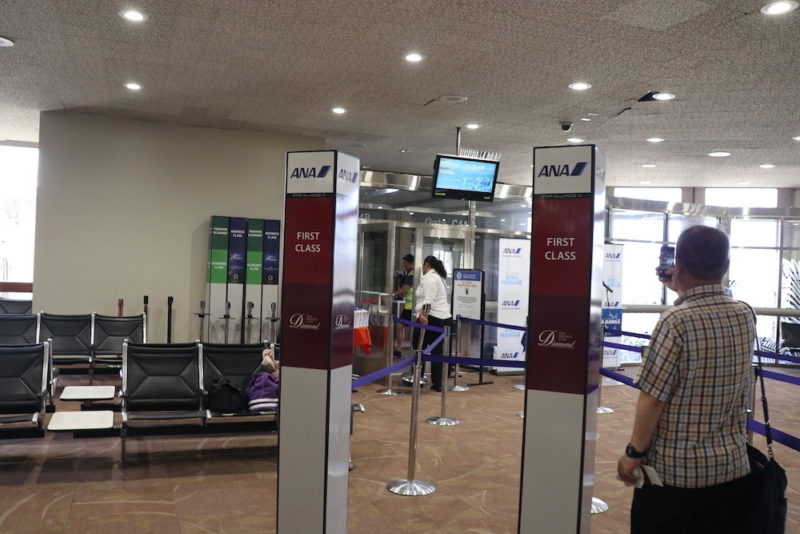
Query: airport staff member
pixel 406 290
pixel 433 290
pixel 690 423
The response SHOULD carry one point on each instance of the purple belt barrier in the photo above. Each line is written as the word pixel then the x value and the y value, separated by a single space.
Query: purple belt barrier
pixel 474 361
pixel 490 323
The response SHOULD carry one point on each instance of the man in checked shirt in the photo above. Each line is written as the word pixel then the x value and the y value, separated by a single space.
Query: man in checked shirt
pixel 690 423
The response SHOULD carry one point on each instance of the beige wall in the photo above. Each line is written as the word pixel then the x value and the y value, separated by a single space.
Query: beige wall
pixel 123 208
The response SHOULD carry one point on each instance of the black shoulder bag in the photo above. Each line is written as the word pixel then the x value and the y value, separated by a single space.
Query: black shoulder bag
pixel 224 397
pixel 768 480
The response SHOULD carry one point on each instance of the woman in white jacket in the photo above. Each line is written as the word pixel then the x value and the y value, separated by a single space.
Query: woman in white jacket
pixel 433 290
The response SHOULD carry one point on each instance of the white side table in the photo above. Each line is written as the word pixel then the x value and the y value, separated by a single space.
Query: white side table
pixel 74 420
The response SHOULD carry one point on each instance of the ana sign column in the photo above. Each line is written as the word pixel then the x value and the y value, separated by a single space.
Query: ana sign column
pixel 317 307
pixel 564 341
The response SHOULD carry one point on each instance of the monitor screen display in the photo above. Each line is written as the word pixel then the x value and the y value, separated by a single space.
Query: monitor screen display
pixel 464 178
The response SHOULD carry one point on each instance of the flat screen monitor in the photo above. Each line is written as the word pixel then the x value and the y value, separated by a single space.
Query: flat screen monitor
pixel 464 178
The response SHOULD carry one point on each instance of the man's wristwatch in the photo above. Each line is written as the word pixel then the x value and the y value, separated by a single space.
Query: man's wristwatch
pixel 630 452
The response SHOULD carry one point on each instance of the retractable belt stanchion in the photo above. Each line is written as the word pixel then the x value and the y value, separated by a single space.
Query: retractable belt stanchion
pixel 273 323
pixel 248 321
pixel 455 386
pixel 227 319
pixel 443 420
pixel 202 316
pixel 388 390
pixel 410 486
pixel 169 319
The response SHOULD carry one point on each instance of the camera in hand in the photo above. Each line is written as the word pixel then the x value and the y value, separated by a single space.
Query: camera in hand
pixel 666 259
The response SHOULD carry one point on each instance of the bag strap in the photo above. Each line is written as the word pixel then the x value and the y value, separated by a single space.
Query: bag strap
pixel 764 403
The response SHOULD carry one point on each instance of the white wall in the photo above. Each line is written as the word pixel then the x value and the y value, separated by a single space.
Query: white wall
pixel 123 208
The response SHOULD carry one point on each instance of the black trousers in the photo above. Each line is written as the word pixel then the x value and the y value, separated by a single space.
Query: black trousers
pixel 430 337
pixel 716 509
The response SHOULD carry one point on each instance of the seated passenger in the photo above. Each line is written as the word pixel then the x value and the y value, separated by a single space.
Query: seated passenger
pixel 264 388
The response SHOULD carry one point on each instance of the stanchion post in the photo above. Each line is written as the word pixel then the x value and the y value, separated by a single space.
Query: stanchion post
pixel 249 321
pixel 273 322
pixel 459 353
pixel 388 391
pixel 169 319
pixel 411 486
pixel 202 316
pixel 443 420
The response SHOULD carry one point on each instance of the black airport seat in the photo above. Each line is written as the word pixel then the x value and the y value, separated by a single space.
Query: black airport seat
pixel 159 382
pixel 108 334
pixel 11 306
pixel 22 329
pixel 24 383
pixel 237 363
pixel 70 336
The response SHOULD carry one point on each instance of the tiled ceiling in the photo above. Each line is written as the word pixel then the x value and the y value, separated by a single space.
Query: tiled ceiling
pixel 282 66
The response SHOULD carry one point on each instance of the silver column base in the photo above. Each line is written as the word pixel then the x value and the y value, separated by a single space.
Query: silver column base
pixel 518 387
pixel 410 488
pixel 598 506
pixel 604 409
pixel 521 414
pixel 389 392
pixel 443 421
pixel 458 388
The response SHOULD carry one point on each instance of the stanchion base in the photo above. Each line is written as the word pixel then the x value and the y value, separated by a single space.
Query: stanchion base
pixel 410 488
pixel 518 386
pixel 408 379
pixel 458 388
pixel 390 392
pixel 598 506
pixel 521 414
pixel 442 421
pixel 604 409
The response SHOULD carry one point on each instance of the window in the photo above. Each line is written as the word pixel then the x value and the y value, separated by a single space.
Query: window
pixel 18 170
pixel 744 197
pixel 663 194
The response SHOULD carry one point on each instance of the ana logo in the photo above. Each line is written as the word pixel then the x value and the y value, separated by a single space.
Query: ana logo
pixel 510 303
pixel 556 339
pixel 551 171
pixel 508 250
pixel 509 355
pixel 613 255
pixel 347 176
pixel 310 172
pixel 303 321
pixel 342 321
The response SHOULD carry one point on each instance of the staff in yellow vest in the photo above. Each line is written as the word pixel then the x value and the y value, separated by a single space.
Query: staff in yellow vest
pixel 406 290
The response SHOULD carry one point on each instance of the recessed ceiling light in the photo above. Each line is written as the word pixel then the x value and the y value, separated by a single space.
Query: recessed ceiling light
pixel 585 119
pixel 574 140
pixel 648 166
pixel 338 111
pixel 654 139
pixel 133 15
pixel 796 138
pixel 719 154
pixel 453 99
pixel 663 96
pixel 645 182
pixel 473 126
pixel 413 58
pixel 5 42
pixel 411 213
pixel 502 220
pixel 767 166
pixel 133 86
pixel 779 8
pixel 580 86
pixel 405 150
pixel 592 114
